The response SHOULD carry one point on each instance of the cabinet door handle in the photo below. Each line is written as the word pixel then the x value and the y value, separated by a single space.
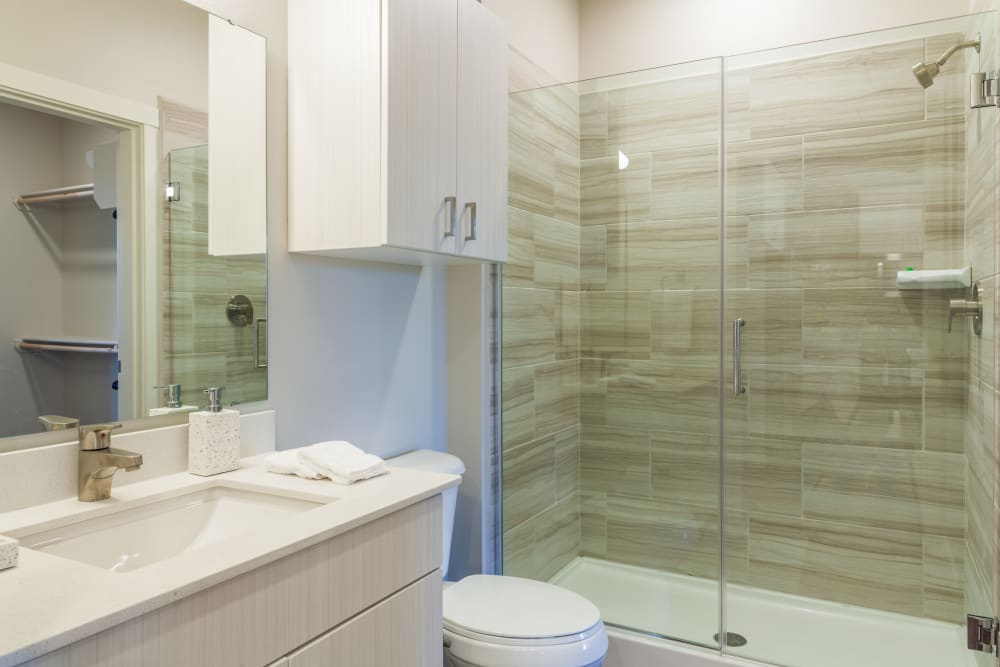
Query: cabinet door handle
pixel 473 221
pixel 452 203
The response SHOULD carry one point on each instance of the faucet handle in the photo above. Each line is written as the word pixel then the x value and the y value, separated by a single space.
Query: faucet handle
pixel 97 436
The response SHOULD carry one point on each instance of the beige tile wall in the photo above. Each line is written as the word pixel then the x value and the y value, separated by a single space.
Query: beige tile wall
pixel 861 462
pixel 541 335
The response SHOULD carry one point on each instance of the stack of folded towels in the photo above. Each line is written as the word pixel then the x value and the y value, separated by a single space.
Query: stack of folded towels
pixel 338 460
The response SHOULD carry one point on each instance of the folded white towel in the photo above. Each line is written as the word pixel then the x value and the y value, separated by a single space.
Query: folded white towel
pixel 342 462
pixel 289 463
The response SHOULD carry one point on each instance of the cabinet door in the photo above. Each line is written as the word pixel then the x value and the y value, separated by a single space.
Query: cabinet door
pixel 419 68
pixel 403 631
pixel 482 133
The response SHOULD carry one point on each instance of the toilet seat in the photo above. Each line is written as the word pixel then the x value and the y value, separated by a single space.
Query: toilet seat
pixel 518 612
pixel 585 636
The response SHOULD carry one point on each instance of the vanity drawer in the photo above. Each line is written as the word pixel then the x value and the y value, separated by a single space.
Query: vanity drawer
pixel 403 631
pixel 258 617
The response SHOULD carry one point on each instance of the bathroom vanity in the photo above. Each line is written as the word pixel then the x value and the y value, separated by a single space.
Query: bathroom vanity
pixel 245 568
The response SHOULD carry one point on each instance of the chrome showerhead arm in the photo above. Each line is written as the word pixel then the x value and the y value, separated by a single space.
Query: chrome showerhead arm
pixel 972 44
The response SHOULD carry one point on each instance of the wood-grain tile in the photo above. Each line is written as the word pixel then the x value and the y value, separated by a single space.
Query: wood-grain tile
pixel 593 125
pixel 594 257
pixel 518 406
pixel 594 523
pixel 773 331
pixel 981 469
pixel 876 568
pixel 676 537
pixel 566 189
pixel 804 250
pixel 905 163
pixel 676 254
pixel 519 271
pixel 860 87
pixel 567 313
pixel 944 232
pixel 944 578
pixel 980 224
pixel 663 396
pixel 685 326
pixel 615 324
pixel 901 328
pixel 878 407
pixel 528 326
pixel 947 97
pixel 567 462
pixel 685 183
pixel 944 409
pixel 761 475
pixel 557 396
pixel 531 165
pixel 519 551
pixel 557 537
pixel 764 176
pixel 676 113
pixel 614 460
pixel 838 248
pixel 557 111
pixel 609 194
pixel 529 480
pixel 914 491
pixel 593 391
pixel 557 254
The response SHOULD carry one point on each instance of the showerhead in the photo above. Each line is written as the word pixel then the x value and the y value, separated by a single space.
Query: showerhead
pixel 926 72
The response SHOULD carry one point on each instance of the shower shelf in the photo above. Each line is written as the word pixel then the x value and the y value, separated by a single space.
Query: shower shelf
pixel 935 279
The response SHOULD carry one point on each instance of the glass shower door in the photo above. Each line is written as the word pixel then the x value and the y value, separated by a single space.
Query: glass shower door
pixel 611 346
pixel 860 433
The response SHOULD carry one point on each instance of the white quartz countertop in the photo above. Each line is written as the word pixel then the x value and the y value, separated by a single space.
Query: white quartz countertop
pixel 49 602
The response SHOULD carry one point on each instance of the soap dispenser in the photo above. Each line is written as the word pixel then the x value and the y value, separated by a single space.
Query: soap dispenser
pixel 213 437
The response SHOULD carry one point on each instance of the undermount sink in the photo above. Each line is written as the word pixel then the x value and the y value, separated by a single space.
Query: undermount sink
pixel 133 538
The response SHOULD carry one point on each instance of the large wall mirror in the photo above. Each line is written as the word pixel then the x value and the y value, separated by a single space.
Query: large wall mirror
pixel 132 214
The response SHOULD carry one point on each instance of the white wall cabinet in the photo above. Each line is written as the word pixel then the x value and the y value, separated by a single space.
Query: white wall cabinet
pixel 397 130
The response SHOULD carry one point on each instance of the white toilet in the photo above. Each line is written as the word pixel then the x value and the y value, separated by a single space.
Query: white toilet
pixel 492 621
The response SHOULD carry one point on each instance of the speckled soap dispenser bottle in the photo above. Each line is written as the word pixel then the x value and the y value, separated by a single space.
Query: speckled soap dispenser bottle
pixel 213 437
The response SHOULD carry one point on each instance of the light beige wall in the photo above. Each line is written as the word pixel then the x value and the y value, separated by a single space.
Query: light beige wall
pixel 90 259
pixel 75 40
pixel 355 350
pixel 32 161
pixel 626 35
pixel 546 31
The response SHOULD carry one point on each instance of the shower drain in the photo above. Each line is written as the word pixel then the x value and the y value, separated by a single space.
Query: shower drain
pixel 732 639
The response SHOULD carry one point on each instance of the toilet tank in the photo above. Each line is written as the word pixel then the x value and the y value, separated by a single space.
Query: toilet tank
pixel 428 459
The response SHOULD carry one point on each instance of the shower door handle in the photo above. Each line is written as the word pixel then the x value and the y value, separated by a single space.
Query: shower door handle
pixel 738 387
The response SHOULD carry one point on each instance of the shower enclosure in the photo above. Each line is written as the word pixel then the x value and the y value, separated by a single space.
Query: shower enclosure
pixel 724 422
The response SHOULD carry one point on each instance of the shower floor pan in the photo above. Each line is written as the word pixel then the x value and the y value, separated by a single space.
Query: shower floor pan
pixel 779 629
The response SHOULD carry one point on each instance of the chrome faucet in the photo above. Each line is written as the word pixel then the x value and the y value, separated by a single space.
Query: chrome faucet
pixel 99 462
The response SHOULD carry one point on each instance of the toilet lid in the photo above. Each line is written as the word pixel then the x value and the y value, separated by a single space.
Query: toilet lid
pixel 516 608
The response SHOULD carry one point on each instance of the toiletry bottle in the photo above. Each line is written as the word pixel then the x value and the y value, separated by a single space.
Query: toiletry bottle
pixel 213 437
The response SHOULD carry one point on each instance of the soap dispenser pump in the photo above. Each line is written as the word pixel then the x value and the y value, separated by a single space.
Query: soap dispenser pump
pixel 213 437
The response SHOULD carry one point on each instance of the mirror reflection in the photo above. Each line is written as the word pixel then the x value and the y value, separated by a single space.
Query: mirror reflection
pixel 133 231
